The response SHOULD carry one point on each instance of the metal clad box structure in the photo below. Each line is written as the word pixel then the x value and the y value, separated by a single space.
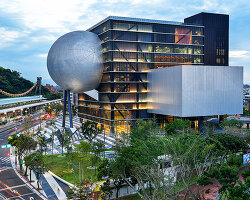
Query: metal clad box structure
pixel 189 90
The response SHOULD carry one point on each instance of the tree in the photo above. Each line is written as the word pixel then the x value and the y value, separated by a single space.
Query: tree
pixel 177 126
pixel 84 148
pixel 63 137
pixel 24 145
pixel 58 108
pixel 106 189
pixel 232 123
pixel 209 128
pixel 82 192
pixel 152 161
pixel 43 142
pixel 48 109
pixel 52 124
pixel 106 171
pixel 227 175
pixel 97 149
pixel 27 124
pixel 28 163
pixel 193 156
pixel 90 130
pixel 139 163
pixel 36 164
pixel 246 111
pixel 231 142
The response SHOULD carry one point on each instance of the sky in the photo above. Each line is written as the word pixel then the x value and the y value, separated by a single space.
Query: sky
pixel 28 28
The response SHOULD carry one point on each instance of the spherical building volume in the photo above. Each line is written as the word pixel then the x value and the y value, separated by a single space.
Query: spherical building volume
pixel 74 61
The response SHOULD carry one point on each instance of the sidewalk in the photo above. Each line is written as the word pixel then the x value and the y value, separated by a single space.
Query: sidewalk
pixel 50 188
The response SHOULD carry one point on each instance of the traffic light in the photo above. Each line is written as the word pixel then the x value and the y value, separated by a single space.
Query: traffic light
pixel 8 154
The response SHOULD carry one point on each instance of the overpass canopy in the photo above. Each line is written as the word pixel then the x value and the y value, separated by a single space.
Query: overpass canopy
pixel 14 100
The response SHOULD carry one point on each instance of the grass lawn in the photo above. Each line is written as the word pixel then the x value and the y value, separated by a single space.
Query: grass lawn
pixel 61 164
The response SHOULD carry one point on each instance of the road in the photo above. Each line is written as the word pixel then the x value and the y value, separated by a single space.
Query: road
pixel 11 185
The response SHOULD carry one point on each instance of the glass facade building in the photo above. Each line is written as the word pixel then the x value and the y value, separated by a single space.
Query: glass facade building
pixel 131 47
pixel 216 32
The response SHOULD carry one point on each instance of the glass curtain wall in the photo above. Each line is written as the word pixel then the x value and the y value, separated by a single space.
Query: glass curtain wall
pixel 130 50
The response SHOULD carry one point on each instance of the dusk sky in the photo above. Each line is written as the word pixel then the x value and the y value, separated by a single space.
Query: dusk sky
pixel 28 28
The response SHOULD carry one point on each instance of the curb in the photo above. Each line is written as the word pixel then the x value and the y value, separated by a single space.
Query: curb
pixel 29 185
pixel 62 180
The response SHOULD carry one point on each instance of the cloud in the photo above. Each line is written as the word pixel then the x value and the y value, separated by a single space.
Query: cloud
pixel 43 38
pixel 53 15
pixel 239 54
pixel 8 36
pixel 43 55
pixel 29 27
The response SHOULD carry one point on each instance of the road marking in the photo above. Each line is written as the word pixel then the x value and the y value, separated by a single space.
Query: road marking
pixel 2 196
pixel 9 188
pixel 6 168
pixel 7 192
pixel 24 195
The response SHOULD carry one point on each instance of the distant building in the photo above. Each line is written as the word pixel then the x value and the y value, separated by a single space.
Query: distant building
pixel 51 88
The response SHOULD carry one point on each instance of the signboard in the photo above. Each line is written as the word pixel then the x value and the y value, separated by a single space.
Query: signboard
pixel 6 146
pixel 246 158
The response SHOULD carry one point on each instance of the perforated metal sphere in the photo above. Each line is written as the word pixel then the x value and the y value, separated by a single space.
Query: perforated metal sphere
pixel 74 61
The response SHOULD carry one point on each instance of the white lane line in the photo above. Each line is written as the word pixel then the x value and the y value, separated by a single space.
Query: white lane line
pixel 22 196
pixel 2 196
pixel 6 168
pixel 10 188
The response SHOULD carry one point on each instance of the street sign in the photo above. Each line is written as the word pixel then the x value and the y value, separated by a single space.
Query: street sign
pixel 6 146
pixel 246 158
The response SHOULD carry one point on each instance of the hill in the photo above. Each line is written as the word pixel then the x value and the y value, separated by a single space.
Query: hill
pixel 11 81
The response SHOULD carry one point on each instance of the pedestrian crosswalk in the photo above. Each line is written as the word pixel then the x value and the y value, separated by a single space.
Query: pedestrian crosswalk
pixel 76 136
pixel 4 162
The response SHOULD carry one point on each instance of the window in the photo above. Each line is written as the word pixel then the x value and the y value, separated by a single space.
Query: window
pixel 198 40
pixel 164 48
pixel 198 59
pixel 122 88
pixel 122 77
pixel 218 61
pixel 119 35
pixel 124 67
pixel 145 47
pixel 122 46
pixel 145 37
pixel 124 56
pixel 198 50
pixel 220 52
pixel 145 28
pixel 124 26
pixel 182 50
pixel 183 36
pixel 164 38
pixel 144 57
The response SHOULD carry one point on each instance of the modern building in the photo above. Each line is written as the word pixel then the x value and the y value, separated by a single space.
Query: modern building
pixel 216 34
pixel 18 106
pixel 132 47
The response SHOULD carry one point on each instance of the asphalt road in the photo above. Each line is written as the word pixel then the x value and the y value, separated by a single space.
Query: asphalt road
pixel 11 186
